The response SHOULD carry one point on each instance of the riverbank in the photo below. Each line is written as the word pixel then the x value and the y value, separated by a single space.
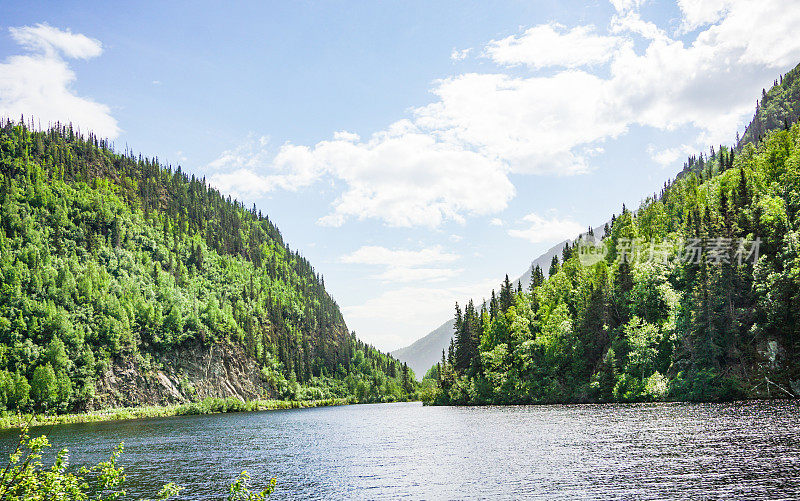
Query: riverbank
pixel 206 406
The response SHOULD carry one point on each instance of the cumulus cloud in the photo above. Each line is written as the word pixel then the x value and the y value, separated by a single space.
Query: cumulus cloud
pixel 541 229
pixel 553 45
pixel 402 265
pixel 252 169
pixel 39 84
pixel 453 158
pixel 402 175
pixel 536 125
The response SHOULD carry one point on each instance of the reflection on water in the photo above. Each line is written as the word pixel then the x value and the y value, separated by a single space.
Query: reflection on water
pixel 646 451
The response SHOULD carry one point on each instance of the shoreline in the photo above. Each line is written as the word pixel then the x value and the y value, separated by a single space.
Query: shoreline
pixel 630 402
pixel 207 406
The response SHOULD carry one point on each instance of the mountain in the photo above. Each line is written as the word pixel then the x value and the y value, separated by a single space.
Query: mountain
pixel 693 296
pixel 125 282
pixel 426 351
pixel 423 353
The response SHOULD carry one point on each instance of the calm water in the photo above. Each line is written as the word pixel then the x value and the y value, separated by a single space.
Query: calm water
pixel 388 451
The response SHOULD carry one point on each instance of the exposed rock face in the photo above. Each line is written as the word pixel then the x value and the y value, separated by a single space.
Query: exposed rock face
pixel 185 374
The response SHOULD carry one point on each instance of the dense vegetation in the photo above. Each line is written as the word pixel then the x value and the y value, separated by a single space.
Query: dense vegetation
pixel 709 308
pixel 107 256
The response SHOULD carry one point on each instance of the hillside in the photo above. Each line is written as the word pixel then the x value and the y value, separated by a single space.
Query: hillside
pixel 423 353
pixel 778 107
pixel 125 282
pixel 693 296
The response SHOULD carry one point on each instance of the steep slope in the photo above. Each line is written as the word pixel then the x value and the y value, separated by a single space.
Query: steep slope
pixel 778 108
pixel 125 282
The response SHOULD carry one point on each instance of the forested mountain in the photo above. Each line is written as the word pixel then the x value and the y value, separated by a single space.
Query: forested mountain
pixel 694 296
pixel 127 282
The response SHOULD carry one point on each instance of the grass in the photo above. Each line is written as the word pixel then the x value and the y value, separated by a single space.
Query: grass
pixel 206 406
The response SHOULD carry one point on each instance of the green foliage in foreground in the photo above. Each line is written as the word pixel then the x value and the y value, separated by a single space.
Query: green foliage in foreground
pixel 26 478
pixel 671 326
pixel 107 257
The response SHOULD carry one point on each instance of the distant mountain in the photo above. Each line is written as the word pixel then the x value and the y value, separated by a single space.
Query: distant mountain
pixel 426 351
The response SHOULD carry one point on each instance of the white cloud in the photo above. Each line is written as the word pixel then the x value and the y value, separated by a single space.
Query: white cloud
pixel 536 125
pixel 377 255
pixel 496 221
pixel 623 6
pixel 550 230
pixel 39 84
pixel 697 13
pixel 402 265
pixel 552 45
pixel 711 83
pixel 632 23
pixel 50 41
pixel 252 154
pixel 346 136
pixel 251 169
pixel 460 55
pixel 403 176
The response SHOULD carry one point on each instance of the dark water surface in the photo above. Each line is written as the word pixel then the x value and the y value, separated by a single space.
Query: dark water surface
pixel 388 451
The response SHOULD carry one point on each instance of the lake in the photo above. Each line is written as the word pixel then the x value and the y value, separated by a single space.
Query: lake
pixel 405 450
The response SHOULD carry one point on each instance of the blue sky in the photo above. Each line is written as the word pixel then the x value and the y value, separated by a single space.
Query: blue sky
pixel 415 152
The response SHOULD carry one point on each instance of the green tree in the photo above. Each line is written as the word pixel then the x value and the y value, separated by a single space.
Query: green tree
pixel 44 387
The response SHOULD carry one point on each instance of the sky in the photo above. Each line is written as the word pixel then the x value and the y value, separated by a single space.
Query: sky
pixel 415 152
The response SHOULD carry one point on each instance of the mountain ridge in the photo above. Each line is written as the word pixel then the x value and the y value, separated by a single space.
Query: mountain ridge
pixel 121 274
